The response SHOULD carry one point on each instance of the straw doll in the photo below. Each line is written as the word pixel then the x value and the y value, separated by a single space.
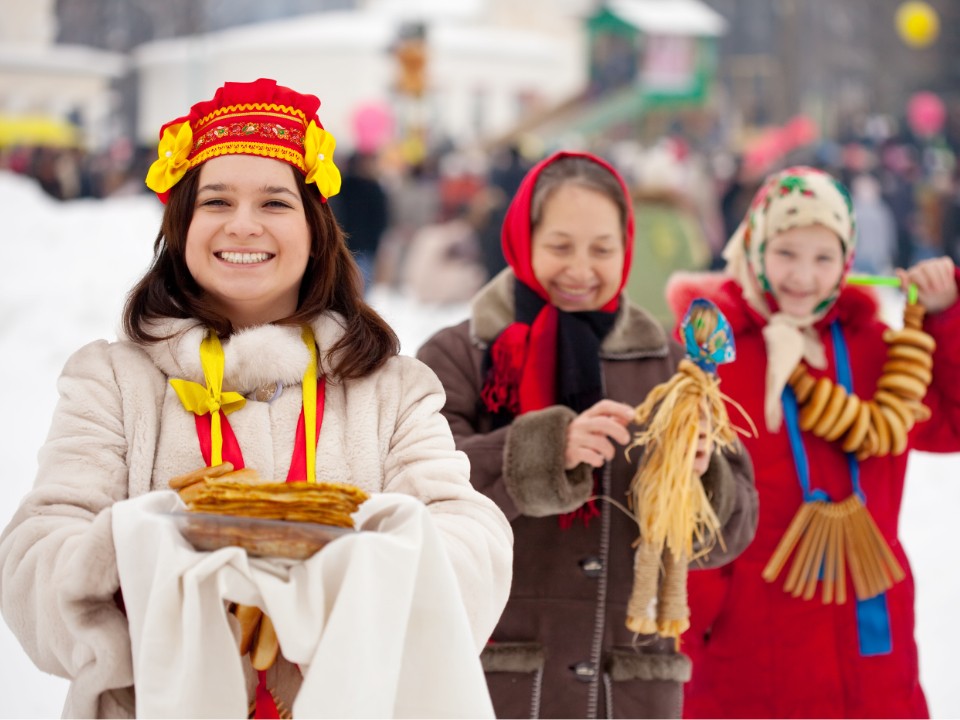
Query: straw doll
pixel 677 522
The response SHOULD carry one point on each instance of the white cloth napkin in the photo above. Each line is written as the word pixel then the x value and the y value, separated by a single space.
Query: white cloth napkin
pixel 375 619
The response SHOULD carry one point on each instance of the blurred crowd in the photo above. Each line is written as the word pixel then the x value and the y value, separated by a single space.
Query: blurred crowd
pixel 431 228
pixel 74 173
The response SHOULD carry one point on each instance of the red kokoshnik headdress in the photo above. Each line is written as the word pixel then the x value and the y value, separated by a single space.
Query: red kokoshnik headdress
pixel 258 118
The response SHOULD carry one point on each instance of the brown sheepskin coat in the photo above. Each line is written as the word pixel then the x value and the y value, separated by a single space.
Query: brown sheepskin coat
pixel 561 648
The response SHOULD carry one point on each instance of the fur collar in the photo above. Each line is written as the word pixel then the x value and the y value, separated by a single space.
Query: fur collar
pixel 635 333
pixel 253 356
pixel 855 305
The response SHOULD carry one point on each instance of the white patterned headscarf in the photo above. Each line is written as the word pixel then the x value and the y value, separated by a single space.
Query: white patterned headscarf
pixel 796 197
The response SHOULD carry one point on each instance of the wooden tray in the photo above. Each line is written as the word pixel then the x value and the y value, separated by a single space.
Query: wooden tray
pixel 262 538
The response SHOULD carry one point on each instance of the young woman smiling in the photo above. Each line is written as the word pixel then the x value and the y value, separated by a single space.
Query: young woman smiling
pixel 249 328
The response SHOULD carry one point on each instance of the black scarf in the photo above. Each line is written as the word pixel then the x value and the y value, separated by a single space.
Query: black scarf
pixel 579 384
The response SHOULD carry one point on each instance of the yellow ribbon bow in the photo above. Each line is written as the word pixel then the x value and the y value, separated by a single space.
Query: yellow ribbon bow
pixel 318 147
pixel 211 399
pixel 172 158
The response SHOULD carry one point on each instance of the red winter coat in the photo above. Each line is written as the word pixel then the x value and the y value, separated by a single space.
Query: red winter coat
pixel 756 650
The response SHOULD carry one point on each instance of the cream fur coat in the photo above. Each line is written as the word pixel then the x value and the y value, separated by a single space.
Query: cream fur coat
pixel 119 431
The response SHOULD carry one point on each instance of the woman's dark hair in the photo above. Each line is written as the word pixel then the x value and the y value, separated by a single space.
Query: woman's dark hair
pixel 331 282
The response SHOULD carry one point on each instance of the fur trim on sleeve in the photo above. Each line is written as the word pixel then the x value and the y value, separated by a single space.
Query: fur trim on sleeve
pixel 515 657
pixel 729 481
pixel 630 665
pixel 533 465
pixel 719 485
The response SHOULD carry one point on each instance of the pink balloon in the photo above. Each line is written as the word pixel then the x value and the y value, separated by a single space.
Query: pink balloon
pixel 926 113
pixel 372 126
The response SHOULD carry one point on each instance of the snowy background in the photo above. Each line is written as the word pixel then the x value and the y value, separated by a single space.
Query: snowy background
pixel 68 267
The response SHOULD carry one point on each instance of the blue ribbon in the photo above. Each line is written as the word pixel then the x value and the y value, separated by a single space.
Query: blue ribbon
pixel 873 616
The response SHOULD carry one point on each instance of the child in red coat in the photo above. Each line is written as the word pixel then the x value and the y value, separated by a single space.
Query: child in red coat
pixel 834 394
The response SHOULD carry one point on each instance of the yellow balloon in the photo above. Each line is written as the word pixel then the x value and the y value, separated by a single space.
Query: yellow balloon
pixel 917 23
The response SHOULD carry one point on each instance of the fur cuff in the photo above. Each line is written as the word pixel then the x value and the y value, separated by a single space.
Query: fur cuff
pixel 533 465
pixel 513 657
pixel 632 665
pixel 718 482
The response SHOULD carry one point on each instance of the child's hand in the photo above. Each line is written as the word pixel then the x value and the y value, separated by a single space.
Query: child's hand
pixel 935 280
pixel 589 435
pixel 701 460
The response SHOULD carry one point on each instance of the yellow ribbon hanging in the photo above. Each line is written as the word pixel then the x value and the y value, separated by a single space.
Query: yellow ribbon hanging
pixel 309 387
pixel 211 399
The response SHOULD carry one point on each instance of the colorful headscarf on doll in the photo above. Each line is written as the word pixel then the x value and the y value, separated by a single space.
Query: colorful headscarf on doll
pixel 796 197
pixel 257 118
pixel 525 362
pixel 717 346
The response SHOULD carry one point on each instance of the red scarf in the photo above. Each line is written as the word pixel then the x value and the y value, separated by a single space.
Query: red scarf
pixel 523 358
pixel 231 448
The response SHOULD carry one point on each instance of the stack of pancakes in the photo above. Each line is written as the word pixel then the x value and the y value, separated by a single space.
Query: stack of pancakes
pixel 225 491
pixel 248 510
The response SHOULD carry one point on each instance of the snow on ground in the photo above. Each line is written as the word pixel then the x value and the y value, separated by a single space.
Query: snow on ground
pixel 66 270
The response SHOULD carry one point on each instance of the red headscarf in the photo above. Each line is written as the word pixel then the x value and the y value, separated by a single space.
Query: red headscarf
pixel 524 356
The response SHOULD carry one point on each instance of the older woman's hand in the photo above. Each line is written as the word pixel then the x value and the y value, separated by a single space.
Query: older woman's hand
pixel 592 434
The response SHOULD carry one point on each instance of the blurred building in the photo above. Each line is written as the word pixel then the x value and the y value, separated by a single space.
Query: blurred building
pixel 487 68
pixel 52 94
pixel 650 64
pixel 835 61
pixel 487 62
pixel 731 69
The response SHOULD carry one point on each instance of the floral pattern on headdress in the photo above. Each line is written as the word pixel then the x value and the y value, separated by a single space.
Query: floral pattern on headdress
pixel 173 158
pixel 795 197
pixel 259 118
pixel 810 196
pixel 318 147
